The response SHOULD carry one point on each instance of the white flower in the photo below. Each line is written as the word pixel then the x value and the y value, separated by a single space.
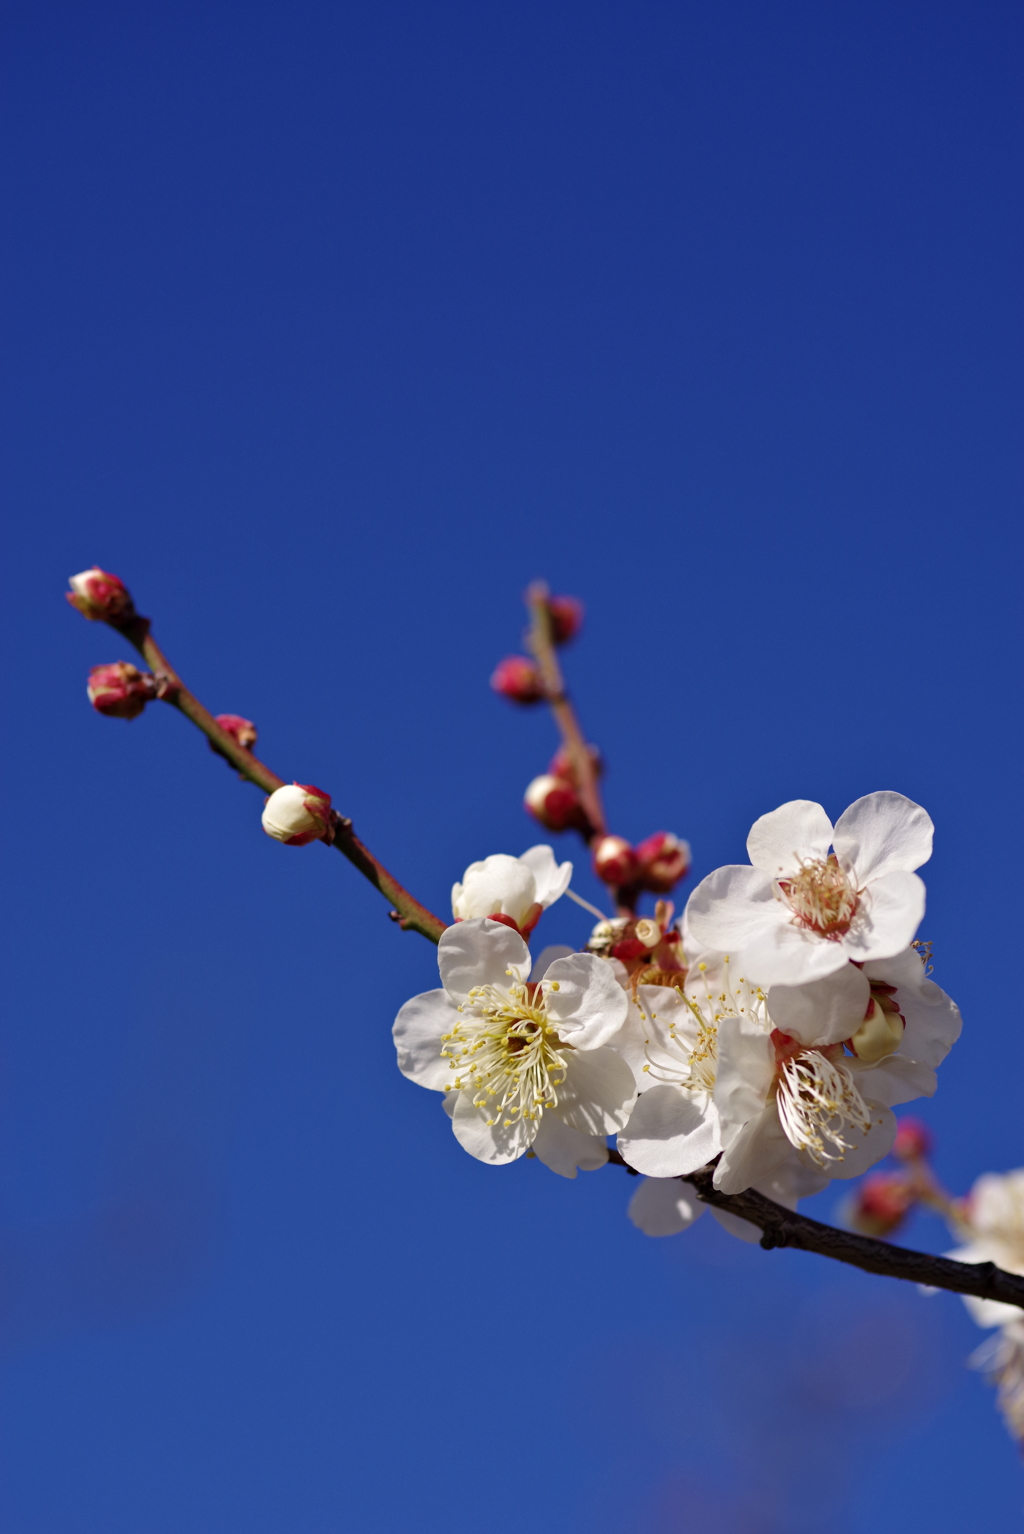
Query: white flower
pixel 993 1217
pixel 517 889
pixel 801 911
pixel 519 1054
pixel 663 1206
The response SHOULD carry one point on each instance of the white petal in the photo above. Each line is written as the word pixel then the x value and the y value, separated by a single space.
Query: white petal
pixel 664 1207
pixel 585 1000
pixel 746 1070
pixel 474 953
pixel 551 879
pixel 662 1011
pixel 793 1180
pixel 743 1230
pixel 629 1041
pixel 547 956
pixel 882 833
pixel 870 1147
pixel 499 884
pixel 990 1312
pixel 495 1144
pixel 789 955
pixel 822 1011
pixel 782 839
pixel 670 1132
pixel 893 907
pixel 448 1102
pixel 417 1034
pixel 933 1018
pixel 754 1153
pixel 598 1093
pixel 893 1080
pixel 564 1149
pixel 732 906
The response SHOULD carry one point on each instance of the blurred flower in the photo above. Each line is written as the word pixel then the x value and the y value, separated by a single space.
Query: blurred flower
pixel 880 1204
pixel 518 678
pixel 663 860
pixel 913 1140
pixel 243 730
pixel 515 891
pixel 1001 1360
pixel 100 596
pixel 614 861
pixel 554 802
pixel 298 814
pixel 120 690
pixel 993 1217
pixel 566 618
pixel 800 912
pixel 518 1054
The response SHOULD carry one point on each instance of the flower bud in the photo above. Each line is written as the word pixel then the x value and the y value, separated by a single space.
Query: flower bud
pixel 913 1140
pixel 242 730
pixel 121 690
pixel 553 802
pixel 566 618
pixel 664 859
pixel 614 861
pixel 880 1204
pixel 648 932
pixel 100 596
pixel 880 1034
pixel 297 814
pixel 517 677
pixel 561 763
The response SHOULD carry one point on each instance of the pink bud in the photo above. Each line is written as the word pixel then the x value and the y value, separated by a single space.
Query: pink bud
pixel 298 814
pixel 100 596
pixel 242 730
pixel 121 690
pixel 614 861
pixel 913 1140
pixel 664 859
pixel 566 618
pixel 517 677
pixel 553 802
pixel 880 1204
pixel 561 765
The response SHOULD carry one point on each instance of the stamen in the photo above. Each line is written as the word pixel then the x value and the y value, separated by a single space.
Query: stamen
pixel 505 1051
pixel 821 897
pixel 817 1101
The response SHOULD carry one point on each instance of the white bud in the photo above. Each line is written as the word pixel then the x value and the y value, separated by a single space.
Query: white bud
pixel 297 814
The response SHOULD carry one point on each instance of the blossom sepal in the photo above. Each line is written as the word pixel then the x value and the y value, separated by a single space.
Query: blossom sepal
pixel 298 814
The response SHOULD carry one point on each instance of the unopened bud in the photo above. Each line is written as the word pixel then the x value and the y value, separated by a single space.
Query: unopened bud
pixel 614 861
pixel 566 618
pixel 121 690
pixel 913 1140
pixel 242 730
pixel 100 596
pixel 881 1204
pixel 553 802
pixel 664 859
pixel 648 932
pixel 517 677
pixel 561 763
pixel 297 814
pixel 880 1034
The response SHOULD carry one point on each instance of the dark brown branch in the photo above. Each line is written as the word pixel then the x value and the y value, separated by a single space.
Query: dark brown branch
pixel 783 1227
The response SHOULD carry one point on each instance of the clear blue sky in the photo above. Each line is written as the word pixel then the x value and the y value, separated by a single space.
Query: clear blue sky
pixel 327 327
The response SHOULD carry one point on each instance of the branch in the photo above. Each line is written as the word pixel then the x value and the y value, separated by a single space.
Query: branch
pixel 407 911
pixel 783 1227
pixel 541 643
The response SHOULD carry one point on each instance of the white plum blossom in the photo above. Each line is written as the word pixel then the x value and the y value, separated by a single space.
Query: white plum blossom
pixel 663 1206
pixel 992 1217
pixel 526 1062
pixel 815 896
pixel 516 891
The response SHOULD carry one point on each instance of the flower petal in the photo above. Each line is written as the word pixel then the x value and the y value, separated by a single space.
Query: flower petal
pixel 753 1153
pixel 933 1018
pixel 585 1000
pixel 893 1080
pixel 732 906
pixel 870 1147
pixel 547 956
pixel 746 1070
pixel 479 953
pixel 789 955
pixel 780 841
pixel 670 1133
pixel 630 1041
pixel 564 1149
pixel 499 884
pixel 893 909
pixel 822 1011
pixel 551 879
pixel 662 1206
pixel 417 1034
pixel 598 1093
pixel 883 833
pixel 497 1143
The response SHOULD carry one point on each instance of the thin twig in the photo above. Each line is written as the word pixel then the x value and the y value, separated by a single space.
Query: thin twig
pixel 784 1227
pixel 407 911
pixel 542 645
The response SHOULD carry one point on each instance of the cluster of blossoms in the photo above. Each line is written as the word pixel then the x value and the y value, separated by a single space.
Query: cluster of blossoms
pixel 771 1030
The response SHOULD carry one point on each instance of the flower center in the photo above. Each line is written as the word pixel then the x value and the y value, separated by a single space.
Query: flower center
pixel 817 1102
pixel 691 1062
pixel 821 897
pixel 506 1053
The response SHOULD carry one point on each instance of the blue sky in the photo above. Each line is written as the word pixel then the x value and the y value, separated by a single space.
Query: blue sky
pixel 328 327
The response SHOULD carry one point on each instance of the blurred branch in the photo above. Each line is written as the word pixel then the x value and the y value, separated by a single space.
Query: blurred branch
pixel 784 1227
pixel 543 647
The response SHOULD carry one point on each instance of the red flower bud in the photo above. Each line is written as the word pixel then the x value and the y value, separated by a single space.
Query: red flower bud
pixel 913 1140
pixel 881 1204
pixel 517 677
pixel 243 730
pixel 553 802
pixel 566 618
pixel 615 861
pixel 100 596
pixel 664 859
pixel 298 814
pixel 561 766
pixel 121 690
